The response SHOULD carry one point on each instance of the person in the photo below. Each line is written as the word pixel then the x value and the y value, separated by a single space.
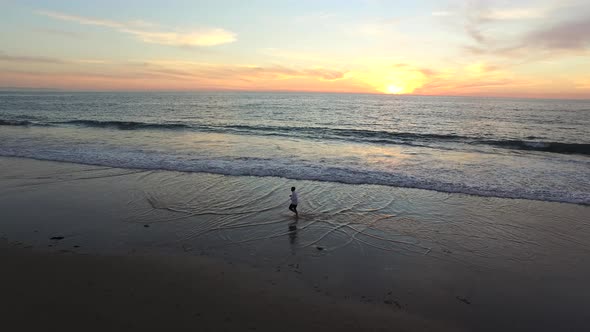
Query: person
pixel 294 201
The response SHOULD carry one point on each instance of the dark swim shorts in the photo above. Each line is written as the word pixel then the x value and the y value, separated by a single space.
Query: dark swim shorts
pixel 293 206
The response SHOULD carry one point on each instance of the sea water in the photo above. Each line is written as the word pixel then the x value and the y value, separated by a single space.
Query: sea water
pixel 515 148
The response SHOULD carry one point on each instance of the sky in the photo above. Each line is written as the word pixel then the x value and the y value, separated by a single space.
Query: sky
pixel 518 48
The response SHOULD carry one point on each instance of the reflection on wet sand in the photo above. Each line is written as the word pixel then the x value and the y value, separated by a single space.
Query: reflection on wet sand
pixel 293 236
pixel 213 210
pixel 240 210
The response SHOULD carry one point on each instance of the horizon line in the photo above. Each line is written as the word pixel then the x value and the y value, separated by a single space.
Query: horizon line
pixel 43 89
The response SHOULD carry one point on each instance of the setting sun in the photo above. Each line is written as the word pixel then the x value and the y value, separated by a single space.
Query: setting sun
pixel 394 89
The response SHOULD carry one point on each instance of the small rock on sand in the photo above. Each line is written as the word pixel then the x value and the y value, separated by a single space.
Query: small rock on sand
pixel 464 300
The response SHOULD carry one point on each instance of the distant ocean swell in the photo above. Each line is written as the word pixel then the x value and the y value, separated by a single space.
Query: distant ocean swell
pixel 355 135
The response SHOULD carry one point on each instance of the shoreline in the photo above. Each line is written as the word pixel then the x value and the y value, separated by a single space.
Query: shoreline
pixel 471 192
pixel 389 257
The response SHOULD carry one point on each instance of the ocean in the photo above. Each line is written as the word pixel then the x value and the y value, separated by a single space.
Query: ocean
pixel 495 147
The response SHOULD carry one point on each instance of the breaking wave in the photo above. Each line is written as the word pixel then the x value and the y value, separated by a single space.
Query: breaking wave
pixel 304 171
pixel 322 133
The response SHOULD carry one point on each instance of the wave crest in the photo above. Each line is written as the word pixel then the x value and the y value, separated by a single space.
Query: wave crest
pixel 125 125
pixel 344 134
pixel 557 147
pixel 15 122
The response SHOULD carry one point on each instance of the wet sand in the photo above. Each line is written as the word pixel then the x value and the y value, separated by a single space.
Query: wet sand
pixel 110 247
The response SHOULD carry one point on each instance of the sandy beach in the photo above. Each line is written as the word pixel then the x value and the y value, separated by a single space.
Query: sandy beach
pixel 73 292
pixel 94 248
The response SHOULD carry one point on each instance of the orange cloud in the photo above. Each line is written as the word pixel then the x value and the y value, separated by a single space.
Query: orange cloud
pixel 171 75
pixel 478 78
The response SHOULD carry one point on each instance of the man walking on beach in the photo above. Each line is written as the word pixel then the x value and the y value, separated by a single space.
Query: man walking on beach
pixel 293 206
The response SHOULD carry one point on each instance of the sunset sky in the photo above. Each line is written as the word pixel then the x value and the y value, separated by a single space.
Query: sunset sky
pixel 484 48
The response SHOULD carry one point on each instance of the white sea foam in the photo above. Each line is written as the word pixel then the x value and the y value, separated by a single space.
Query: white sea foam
pixel 264 167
